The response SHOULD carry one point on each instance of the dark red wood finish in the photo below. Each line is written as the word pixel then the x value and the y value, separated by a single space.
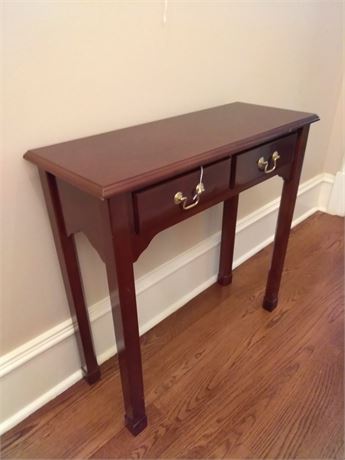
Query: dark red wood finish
pixel 82 213
pixel 228 240
pixel 118 231
pixel 118 188
pixel 247 171
pixel 142 240
pixel 69 264
pixel 156 203
pixel 286 209
pixel 132 158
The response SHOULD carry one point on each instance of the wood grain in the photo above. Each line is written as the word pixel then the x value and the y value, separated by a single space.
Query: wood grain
pixel 223 377
pixel 138 156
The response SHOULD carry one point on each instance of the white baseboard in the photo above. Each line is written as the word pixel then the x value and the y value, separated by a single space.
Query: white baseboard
pixel 28 378
pixel 336 203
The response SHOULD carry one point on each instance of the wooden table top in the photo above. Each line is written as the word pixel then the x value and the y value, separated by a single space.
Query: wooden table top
pixel 134 157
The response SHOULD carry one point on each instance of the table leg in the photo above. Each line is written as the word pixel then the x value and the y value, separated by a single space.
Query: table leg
pixel 286 209
pixel 228 240
pixel 124 309
pixel 67 254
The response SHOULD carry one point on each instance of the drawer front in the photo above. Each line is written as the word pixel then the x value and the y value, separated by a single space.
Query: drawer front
pixel 249 170
pixel 157 203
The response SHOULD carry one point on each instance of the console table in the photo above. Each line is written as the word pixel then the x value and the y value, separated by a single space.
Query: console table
pixel 123 187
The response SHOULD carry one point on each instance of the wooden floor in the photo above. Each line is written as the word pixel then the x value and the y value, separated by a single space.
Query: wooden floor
pixel 223 377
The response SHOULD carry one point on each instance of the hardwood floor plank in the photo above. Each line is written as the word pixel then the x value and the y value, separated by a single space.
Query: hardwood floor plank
pixel 223 377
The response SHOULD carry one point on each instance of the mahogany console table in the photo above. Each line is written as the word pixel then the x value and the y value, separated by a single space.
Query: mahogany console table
pixel 123 187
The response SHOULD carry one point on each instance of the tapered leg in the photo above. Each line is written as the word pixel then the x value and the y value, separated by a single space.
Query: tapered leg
pixel 124 309
pixel 228 240
pixel 286 209
pixel 68 259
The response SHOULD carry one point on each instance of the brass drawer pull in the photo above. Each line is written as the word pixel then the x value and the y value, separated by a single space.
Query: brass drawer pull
pixel 263 164
pixel 181 199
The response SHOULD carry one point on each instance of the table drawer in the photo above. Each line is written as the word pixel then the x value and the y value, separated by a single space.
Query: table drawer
pixel 159 202
pixel 276 158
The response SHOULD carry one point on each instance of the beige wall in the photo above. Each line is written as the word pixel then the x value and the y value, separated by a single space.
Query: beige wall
pixel 77 68
pixel 335 157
